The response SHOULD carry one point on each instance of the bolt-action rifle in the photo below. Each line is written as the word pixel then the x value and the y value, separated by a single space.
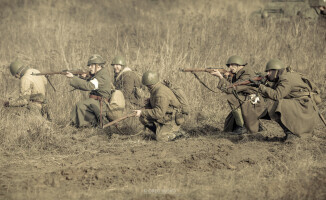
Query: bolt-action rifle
pixel 63 72
pixel 225 72
pixel 209 69
pixel 247 82
pixel 133 114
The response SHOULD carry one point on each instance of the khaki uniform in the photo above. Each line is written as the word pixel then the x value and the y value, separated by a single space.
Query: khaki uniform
pixel 238 97
pixel 160 117
pixel 128 82
pixel 93 110
pixel 32 92
pixel 289 103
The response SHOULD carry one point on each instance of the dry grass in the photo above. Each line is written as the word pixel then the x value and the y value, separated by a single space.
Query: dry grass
pixel 162 36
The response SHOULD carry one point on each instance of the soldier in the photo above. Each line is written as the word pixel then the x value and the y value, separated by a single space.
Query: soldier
pixel 32 89
pixel 159 115
pixel 127 81
pixel 289 100
pixel 319 6
pixel 239 97
pixel 92 111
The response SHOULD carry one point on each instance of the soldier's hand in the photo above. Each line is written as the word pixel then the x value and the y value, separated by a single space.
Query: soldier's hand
pixel 254 83
pixel 84 75
pixel 69 75
pixel 263 80
pixel 6 104
pixel 217 73
pixel 227 74
pixel 138 113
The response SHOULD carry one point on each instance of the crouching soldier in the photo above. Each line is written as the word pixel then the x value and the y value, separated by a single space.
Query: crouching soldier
pixel 240 97
pixel 32 89
pixel 92 111
pixel 159 114
pixel 289 100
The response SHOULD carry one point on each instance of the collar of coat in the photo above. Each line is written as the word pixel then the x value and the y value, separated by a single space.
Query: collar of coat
pixel 126 69
pixel 154 87
pixel 240 72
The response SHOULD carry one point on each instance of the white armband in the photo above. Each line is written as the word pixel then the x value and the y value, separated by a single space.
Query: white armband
pixel 95 83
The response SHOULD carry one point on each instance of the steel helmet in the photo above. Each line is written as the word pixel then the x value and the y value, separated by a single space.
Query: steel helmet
pixel 119 60
pixel 95 59
pixel 235 60
pixel 274 64
pixel 150 78
pixel 15 66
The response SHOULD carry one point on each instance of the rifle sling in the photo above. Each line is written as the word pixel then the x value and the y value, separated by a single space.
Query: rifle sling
pixel 200 81
pixel 47 77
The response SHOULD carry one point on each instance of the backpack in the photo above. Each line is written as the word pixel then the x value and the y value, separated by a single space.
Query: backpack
pixel 312 86
pixel 181 96
pixel 314 89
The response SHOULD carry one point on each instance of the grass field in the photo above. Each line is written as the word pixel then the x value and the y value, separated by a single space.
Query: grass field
pixel 42 160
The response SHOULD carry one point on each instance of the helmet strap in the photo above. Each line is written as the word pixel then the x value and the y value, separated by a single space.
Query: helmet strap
pixel 21 71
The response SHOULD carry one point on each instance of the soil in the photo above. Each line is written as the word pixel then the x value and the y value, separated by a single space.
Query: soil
pixel 205 165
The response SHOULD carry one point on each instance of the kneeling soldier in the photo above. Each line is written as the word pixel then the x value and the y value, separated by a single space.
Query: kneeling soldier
pixel 92 111
pixel 239 97
pixel 32 89
pixel 288 100
pixel 159 114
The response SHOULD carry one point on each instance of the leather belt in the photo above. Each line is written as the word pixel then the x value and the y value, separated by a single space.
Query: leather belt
pixel 99 98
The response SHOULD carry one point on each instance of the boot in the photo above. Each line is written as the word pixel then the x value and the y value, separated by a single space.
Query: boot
pixel 261 128
pixel 181 134
pixel 290 138
pixel 239 130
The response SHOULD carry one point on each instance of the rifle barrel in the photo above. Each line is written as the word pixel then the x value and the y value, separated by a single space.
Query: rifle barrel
pixel 203 70
pixel 61 72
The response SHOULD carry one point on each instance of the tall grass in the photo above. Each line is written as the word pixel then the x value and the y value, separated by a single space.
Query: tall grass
pixel 155 35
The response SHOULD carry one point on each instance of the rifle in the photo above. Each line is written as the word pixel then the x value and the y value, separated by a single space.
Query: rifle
pixel 63 72
pixel 209 69
pixel 246 82
pixel 133 114
pixel 321 117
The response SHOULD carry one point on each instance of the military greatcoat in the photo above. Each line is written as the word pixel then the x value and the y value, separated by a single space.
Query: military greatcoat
pixel 291 103
pixel 239 97
pixel 91 111
pixel 127 81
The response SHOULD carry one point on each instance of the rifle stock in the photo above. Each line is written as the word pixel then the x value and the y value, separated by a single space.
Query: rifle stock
pixel 257 78
pixel 64 72
pixel 133 114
